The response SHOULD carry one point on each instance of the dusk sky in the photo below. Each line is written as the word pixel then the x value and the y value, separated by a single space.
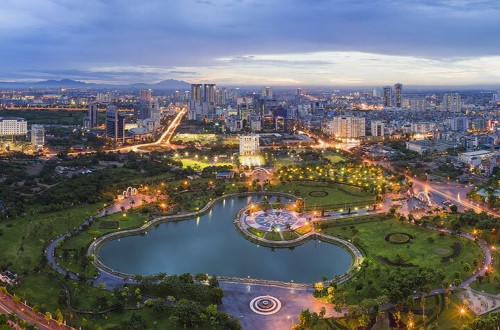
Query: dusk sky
pixel 253 42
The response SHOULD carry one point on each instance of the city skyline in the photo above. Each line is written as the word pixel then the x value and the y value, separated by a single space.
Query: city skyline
pixel 250 43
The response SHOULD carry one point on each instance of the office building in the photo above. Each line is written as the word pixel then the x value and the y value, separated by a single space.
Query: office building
pixel 388 96
pixel 92 115
pixel 12 126
pixel 249 144
pixel 377 128
pixel 495 98
pixel 146 95
pixel 115 124
pixel 348 127
pixel 399 95
pixel 37 136
pixel 452 102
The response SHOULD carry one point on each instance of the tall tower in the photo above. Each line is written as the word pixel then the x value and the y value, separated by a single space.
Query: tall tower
pixel 209 93
pixel 388 96
pixel 196 92
pixel 399 95
pixel 146 95
pixel 267 93
pixel 92 115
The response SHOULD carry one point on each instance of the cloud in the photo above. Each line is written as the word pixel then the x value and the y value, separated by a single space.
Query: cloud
pixel 161 35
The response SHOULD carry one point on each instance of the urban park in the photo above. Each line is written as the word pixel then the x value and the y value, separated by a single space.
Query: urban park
pixel 312 245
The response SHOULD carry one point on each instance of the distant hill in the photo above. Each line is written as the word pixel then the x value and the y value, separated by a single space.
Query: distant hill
pixel 170 84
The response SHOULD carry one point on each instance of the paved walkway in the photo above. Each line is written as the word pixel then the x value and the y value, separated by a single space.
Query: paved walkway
pixel 238 294
pixel 480 302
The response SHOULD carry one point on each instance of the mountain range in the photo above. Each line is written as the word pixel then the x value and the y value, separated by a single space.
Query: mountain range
pixel 169 84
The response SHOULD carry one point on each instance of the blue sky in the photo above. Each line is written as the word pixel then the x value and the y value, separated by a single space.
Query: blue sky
pixel 253 42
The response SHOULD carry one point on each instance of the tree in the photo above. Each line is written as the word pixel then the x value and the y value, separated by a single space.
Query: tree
pixel 58 316
pixel 48 316
pixel 453 208
pixel 364 320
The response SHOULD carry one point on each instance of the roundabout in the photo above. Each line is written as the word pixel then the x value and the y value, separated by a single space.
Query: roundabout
pixel 265 305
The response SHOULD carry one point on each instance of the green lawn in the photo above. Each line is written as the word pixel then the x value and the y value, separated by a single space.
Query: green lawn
pixel 420 252
pixel 201 164
pixel 41 290
pixel 334 195
pixel 489 284
pixel 23 238
pixel 131 220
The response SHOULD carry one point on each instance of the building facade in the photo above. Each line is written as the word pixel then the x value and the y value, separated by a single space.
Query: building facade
pixel 452 102
pixel 249 145
pixel 348 127
pixel 377 128
pixel 13 126
pixel 37 136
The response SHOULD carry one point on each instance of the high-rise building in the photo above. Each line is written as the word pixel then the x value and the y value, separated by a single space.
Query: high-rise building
pixel 399 95
pixel 378 128
pixel 146 95
pixel 11 126
pixel 267 93
pixel 209 93
pixel 418 104
pixel 249 144
pixel 452 102
pixel 115 123
pixel 299 91
pixel 388 96
pixel 37 136
pixel 496 98
pixel 92 115
pixel 196 92
pixel 348 127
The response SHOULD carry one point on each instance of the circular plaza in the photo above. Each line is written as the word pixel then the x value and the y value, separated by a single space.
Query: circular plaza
pixel 274 219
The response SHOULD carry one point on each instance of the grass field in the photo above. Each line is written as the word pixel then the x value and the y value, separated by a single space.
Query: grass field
pixel 131 220
pixel 420 252
pixel 489 284
pixel 334 194
pixel 23 238
pixel 201 164
pixel 41 290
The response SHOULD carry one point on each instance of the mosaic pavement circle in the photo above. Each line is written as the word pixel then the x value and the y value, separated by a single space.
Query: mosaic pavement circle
pixel 264 220
pixel 265 305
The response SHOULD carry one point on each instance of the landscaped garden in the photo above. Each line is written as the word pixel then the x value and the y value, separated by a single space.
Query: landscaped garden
pixel 391 246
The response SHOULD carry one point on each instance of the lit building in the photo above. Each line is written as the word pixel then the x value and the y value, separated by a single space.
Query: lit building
pixel 12 126
pixel 348 127
pixel 267 93
pixel 249 145
pixel 92 115
pixel 399 95
pixel 37 136
pixel 495 98
pixel 388 96
pixel 452 102
pixel 196 92
pixel 377 128
pixel 146 95
pixel 422 127
pixel 115 123
pixel 209 93
pixel 418 104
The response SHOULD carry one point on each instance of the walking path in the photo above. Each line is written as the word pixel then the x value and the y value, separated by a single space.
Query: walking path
pixel 239 292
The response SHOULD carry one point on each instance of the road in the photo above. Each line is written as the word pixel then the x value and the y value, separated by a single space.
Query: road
pixel 163 140
pixel 7 305
pixel 450 191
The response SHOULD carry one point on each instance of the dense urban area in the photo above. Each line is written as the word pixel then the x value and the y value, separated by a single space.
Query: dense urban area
pixel 126 207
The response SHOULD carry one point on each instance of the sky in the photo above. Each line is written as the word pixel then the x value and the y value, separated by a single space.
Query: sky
pixel 253 42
